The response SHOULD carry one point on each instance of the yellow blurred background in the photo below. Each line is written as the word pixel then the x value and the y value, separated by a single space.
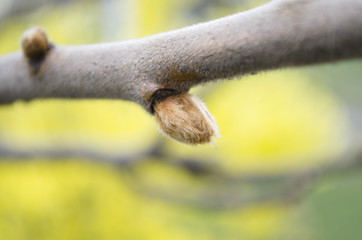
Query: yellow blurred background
pixel 99 169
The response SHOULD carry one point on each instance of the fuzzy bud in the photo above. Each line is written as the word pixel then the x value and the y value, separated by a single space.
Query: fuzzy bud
pixel 34 43
pixel 185 118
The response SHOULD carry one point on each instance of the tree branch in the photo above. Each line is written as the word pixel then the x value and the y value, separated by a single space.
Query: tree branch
pixel 147 71
pixel 279 34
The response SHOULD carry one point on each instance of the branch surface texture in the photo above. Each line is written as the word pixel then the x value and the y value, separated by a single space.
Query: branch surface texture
pixel 148 71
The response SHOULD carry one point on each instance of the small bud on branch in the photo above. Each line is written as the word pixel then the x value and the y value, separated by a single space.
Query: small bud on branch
pixel 35 46
pixel 185 118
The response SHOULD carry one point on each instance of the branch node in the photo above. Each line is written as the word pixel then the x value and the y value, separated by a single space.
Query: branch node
pixel 149 89
pixel 35 46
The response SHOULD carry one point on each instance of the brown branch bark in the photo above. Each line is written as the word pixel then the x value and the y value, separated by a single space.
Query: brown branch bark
pixel 279 34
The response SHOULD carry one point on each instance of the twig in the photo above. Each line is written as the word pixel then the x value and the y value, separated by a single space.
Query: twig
pixel 278 34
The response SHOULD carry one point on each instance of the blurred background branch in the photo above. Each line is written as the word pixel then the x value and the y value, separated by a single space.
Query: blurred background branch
pixel 227 190
pixel 17 7
pixel 221 189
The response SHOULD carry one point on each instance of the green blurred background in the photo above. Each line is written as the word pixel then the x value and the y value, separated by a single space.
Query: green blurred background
pixel 286 167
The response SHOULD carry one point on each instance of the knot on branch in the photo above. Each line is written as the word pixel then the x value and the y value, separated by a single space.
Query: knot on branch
pixel 35 46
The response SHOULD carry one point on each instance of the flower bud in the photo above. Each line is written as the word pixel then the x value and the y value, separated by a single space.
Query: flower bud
pixel 34 43
pixel 185 118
